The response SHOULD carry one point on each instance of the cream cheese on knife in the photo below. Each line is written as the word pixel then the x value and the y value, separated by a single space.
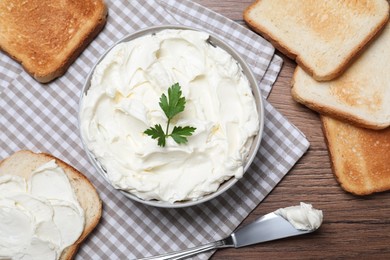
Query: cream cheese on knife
pixel 302 217
pixel 123 101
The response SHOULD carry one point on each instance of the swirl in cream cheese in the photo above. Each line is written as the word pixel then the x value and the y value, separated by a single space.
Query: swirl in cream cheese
pixel 40 216
pixel 123 101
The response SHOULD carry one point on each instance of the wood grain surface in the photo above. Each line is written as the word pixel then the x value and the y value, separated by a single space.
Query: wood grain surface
pixel 353 228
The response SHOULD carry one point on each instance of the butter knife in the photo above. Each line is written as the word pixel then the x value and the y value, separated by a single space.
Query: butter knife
pixel 266 228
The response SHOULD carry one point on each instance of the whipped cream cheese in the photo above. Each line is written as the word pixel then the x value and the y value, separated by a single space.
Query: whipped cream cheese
pixel 39 216
pixel 302 217
pixel 123 101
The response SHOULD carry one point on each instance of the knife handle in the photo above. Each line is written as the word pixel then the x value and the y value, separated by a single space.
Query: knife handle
pixel 227 242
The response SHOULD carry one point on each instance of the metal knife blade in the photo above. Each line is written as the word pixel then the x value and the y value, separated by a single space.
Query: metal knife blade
pixel 266 228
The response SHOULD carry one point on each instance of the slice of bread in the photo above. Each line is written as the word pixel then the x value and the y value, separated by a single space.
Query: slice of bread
pixel 47 36
pixel 360 96
pixel 23 163
pixel 360 157
pixel 322 36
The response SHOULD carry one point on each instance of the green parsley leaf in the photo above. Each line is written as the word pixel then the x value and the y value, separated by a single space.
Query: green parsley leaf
pixel 157 132
pixel 174 104
pixel 179 133
pixel 171 105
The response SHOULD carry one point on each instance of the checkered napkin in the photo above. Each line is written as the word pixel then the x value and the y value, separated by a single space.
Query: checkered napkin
pixel 44 118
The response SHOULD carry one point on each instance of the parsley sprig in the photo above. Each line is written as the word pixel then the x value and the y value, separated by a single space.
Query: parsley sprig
pixel 171 105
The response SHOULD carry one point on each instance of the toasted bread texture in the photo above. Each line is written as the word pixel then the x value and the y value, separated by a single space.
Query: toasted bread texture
pixel 360 96
pixel 323 37
pixel 360 157
pixel 24 162
pixel 47 36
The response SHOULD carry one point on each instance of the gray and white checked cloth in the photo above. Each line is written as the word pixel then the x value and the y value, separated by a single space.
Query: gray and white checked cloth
pixel 45 118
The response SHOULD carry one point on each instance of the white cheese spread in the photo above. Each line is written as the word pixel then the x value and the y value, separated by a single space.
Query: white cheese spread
pixel 123 101
pixel 39 216
pixel 302 217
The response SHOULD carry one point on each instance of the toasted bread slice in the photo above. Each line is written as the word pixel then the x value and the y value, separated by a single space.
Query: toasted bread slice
pixel 360 157
pixel 322 36
pixel 47 36
pixel 361 95
pixel 24 162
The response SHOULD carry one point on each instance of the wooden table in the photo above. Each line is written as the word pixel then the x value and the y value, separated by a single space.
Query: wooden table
pixel 353 227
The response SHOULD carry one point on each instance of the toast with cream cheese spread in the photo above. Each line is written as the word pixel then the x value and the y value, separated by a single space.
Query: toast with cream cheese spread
pixel 65 205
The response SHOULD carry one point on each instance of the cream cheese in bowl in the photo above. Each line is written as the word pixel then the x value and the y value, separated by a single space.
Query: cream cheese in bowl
pixel 121 100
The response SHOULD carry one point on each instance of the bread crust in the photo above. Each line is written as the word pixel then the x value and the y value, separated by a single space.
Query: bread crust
pixel 359 157
pixel 334 112
pixel 285 48
pixel 360 96
pixel 48 44
pixel 23 162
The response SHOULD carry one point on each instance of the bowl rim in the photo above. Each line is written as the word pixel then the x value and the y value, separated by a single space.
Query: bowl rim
pixel 247 71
